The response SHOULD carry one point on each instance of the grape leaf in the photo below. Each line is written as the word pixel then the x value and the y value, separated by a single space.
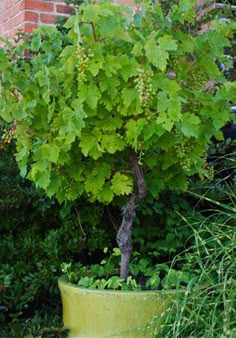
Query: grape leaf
pixel 158 54
pixel 190 125
pixel 50 152
pixel 97 177
pixel 122 184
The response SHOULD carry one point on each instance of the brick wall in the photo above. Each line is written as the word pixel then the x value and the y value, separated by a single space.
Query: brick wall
pixel 27 14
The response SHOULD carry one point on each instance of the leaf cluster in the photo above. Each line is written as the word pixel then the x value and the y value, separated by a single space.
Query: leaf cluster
pixel 143 274
pixel 115 82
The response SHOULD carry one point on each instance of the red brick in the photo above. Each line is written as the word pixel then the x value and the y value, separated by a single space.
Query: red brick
pixel 18 19
pixel 9 4
pixel 11 12
pixel 39 5
pixel 63 9
pixel 125 2
pixel 29 27
pixel 48 18
pixel 7 26
pixel 31 16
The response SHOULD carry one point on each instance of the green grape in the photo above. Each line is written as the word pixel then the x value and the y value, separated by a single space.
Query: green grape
pixel 183 148
pixel 197 79
pixel 83 56
pixel 144 87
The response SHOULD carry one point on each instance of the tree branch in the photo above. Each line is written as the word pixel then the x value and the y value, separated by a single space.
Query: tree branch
pixel 138 174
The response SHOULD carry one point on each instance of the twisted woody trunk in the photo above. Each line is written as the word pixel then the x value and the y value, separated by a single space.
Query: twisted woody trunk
pixel 124 235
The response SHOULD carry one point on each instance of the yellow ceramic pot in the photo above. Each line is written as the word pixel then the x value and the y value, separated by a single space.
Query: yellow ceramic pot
pixel 89 313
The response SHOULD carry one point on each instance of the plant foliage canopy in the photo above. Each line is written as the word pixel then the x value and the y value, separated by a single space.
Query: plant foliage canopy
pixel 116 81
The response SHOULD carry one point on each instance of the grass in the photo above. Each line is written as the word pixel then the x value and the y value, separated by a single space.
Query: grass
pixel 208 307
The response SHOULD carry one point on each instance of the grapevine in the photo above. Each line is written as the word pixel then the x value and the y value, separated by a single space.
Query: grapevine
pixel 68 118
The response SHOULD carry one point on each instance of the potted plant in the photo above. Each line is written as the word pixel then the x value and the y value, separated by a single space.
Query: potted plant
pixel 123 105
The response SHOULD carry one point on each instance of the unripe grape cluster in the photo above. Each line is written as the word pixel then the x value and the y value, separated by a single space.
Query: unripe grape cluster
pixel 183 149
pixel 197 79
pixel 8 135
pixel 144 87
pixel 83 56
pixel 174 66
pixel 173 62
pixel 67 192
pixel 56 124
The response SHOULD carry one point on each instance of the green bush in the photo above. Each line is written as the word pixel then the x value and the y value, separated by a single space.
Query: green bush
pixel 37 235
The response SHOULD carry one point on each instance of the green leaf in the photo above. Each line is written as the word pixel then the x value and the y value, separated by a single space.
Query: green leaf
pixel 89 146
pixel 188 9
pixel 78 116
pixel 167 43
pixel 134 129
pixel 4 112
pixel 75 191
pixel 190 125
pixel 138 49
pixel 112 65
pixel 178 182
pixel 112 143
pixel 89 94
pixel 94 67
pixel 40 174
pixel 165 121
pixel 36 43
pixel 129 95
pixel 170 87
pixel 162 101
pixel 49 152
pixel 97 177
pixel 128 67
pixel 158 54
pixel 46 96
pixel 122 184
pixel 154 185
pixel 55 185
pixel 43 77
pixel 106 194
pixel 152 129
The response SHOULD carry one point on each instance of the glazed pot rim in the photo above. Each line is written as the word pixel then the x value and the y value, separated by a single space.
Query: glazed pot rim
pixel 64 280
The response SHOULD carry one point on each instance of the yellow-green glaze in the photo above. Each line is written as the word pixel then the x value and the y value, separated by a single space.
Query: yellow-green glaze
pixel 91 313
